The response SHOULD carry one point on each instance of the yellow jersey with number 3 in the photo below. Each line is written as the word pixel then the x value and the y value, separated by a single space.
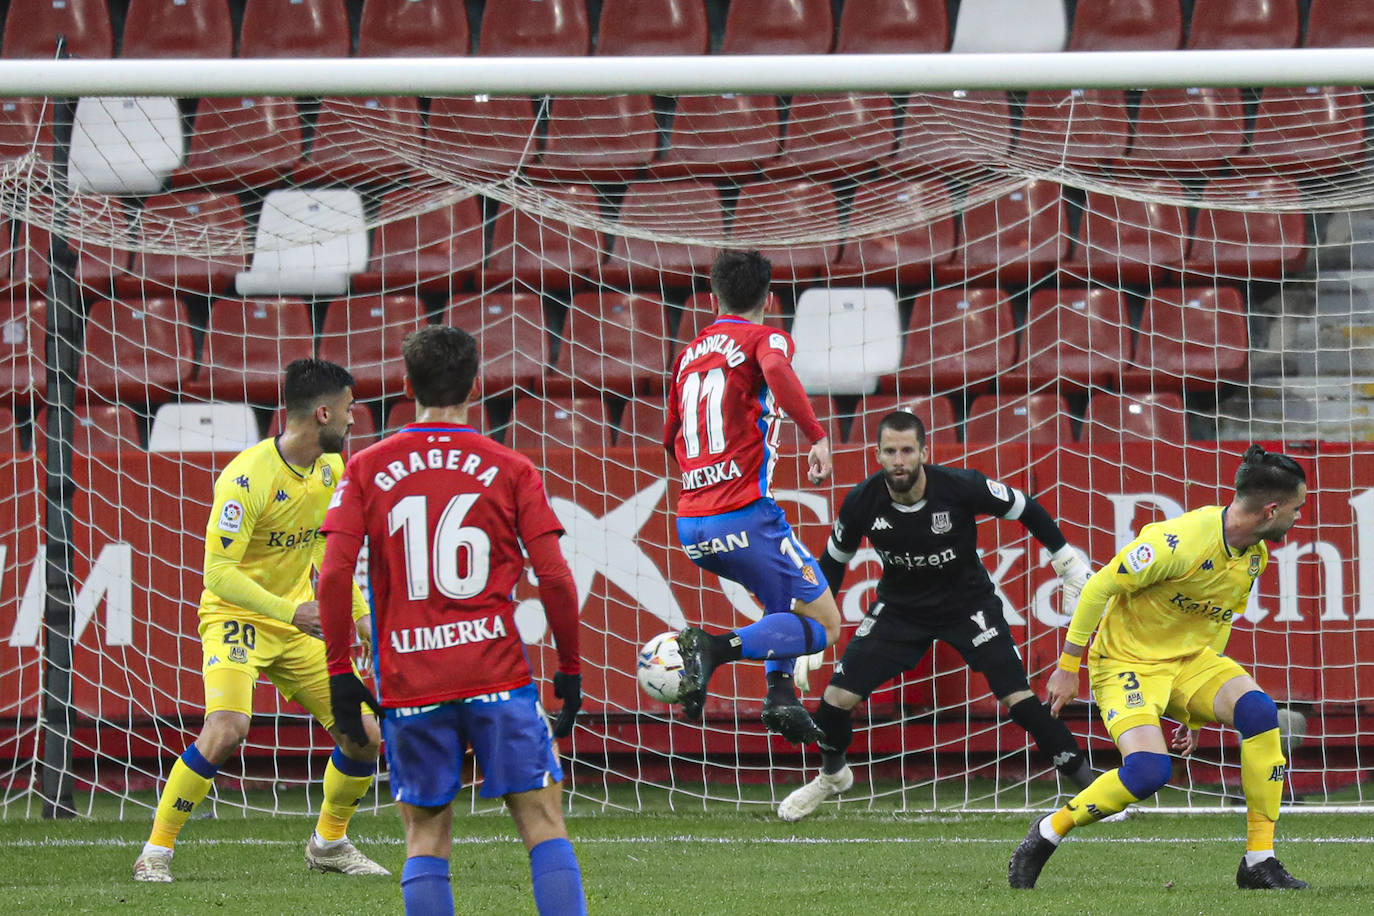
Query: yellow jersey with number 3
pixel 266 517
pixel 1174 590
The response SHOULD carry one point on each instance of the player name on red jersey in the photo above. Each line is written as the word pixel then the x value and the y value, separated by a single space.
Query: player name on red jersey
pixel 445 635
pixel 435 459
pixel 723 344
pixel 711 473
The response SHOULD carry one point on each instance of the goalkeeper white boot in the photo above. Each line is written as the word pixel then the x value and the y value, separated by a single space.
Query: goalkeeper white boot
pixel 809 797
pixel 342 857
pixel 154 866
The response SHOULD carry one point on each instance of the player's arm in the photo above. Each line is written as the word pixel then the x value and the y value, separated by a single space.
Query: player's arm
pixel 776 363
pixel 1070 564
pixel 360 607
pixel 673 424
pixel 233 518
pixel 845 536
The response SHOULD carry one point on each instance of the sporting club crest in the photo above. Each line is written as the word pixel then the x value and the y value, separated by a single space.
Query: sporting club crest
pixel 939 523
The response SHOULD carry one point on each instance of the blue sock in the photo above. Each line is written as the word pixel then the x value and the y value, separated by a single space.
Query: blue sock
pixel 557 879
pixel 193 758
pixel 780 636
pixel 425 886
pixel 1255 714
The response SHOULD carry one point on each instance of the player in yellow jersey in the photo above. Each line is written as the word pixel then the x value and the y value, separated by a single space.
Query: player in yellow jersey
pixel 258 616
pixel 1165 604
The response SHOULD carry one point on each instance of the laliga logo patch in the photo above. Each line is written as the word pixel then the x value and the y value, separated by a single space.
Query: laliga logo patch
pixel 778 342
pixel 1140 558
pixel 231 517
pixel 999 490
pixel 1134 700
pixel 939 523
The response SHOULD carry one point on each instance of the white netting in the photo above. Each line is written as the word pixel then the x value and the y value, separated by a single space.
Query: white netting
pixel 1100 296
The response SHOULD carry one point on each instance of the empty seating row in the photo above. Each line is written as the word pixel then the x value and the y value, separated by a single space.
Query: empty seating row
pixel 320 28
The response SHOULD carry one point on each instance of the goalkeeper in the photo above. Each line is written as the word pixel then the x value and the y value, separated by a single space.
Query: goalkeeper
pixel 1166 604
pixel 922 519
pixel 258 615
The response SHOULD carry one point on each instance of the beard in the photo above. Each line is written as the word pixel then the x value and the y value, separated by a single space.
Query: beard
pixel 900 484
pixel 331 442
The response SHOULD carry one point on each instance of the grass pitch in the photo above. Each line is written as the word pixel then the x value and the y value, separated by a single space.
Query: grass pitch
pixel 704 863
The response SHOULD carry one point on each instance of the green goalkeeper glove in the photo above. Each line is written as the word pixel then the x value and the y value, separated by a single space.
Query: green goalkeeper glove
pixel 347 694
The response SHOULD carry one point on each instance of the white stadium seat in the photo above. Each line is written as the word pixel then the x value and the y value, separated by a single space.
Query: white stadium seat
pixel 309 243
pixel 125 145
pixel 215 426
pixel 992 26
pixel 846 338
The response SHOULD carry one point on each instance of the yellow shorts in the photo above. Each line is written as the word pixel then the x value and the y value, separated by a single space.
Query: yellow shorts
pixel 1131 693
pixel 238 648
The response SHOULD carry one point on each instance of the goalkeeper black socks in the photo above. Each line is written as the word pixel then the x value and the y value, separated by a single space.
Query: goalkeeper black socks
pixel 780 687
pixel 838 725
pixel 726 647
pixel 1053 737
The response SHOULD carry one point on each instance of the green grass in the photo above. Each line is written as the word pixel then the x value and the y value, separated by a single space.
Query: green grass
pixel 722 861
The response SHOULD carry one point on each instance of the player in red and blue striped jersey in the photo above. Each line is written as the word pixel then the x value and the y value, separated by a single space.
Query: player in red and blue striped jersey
pixel 732 386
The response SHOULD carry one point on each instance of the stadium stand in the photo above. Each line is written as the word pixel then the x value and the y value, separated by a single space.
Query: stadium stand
pixel 645 27
pixel 510 334
pixel 161 260
pixel 893 27
pixel 233 367
pixel 801 204
pixel 1016 238
pixel 33 28
pixel 988 26
pixel 652 204
pixel 1080 126
pixel 1127 25
pixel 346 145
pixel 1127 239
pixel 779 27
pixel 1188 129
pixel 364 333
pixel 720 135
pixel 1239 24
pixel 1151 417
pixel 538 423
pixel 907 256
pixel 1190 339
pixel 436 251
pixel 576 145
pixel 957 339
pixel 413 28
pixel 1027 419
pixel 1261 244
pixel 935 411
pixel 1074 339
pixel 136 351
pixel 242 142
pixel 545 253
pixel 177 28
pixel 196 426
pixel 611 341
pixel 23 324
pixel 493 133
pixel 534 28
pixel 97 429
pixel 293 29
pixel 845 134
pixel 1340 24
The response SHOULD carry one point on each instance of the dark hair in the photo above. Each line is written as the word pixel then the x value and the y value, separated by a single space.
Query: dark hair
pixel 901 421
pixel 740 280
pixel 441 362
pixel 1265 476
pixel 307 381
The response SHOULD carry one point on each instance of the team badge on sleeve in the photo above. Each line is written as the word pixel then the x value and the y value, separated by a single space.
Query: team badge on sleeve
pixel 778 342
pixel 231 517
pixel 999 490
pixel 1140 558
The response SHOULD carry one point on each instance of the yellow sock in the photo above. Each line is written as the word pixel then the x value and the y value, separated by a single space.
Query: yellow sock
pixel 1105 797
pixel 342 793
pixel 184 790
pixel 1261 778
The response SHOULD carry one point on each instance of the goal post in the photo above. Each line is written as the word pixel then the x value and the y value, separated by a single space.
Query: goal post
pixel 1096 277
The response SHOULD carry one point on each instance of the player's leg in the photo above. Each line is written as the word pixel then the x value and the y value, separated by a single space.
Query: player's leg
pixel 514 748
pixel 301 674
pixel 1237 700
pixel 424 755
pixel 426 887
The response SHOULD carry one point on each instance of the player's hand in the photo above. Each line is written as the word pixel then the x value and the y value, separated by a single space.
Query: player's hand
pixel 568 688
pixel 1060 689
pixel 363 657
pixel 307 619
pixel 819 463
pixel 801 671
pixel 1185 740
pixel 347 694
pixel 1073 567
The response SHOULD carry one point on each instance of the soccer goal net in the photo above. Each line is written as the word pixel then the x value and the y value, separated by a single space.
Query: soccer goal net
pixel 1099 295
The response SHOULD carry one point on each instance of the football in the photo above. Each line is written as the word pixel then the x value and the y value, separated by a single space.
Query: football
pixel 660 668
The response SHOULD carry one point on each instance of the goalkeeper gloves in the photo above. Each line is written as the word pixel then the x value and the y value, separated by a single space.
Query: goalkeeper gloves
pixel 801 671
pixel 1073 567
pixel 568 688
pixel 347 694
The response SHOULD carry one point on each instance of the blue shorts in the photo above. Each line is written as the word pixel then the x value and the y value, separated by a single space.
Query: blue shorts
pixel 755 547
pixel 508 734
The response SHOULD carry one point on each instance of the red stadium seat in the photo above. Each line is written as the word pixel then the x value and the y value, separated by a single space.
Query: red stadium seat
pixel 1016 238
pixel 545 252
pixel 93 216
pixel 700 310
pixel 248 344
pixel 893 27
pixel 534 28
pixel 486 134
pixel 1191 338
pixel 906 256
pixel 1240 24
pixel 721 135
pixel 1127 25
pixel 802 206
pixel 1340 24
pixel 646 27
pixel 364 139
pixel 510 338
pixel 684 205
pixel 1157 417
pixel 598 137
pixel 364 333
pixel 1077 126
pixel 1074 339
pixel 642 423
pixel 1190 129
pixel 779 27
pixel 790 436
pixel 203 219
pixel 935 412
pixel 435 251
pixel 178 28
pixel 32 28
pixel 242 142
pixel 1247 245
pixel 843 134
pixel 23 326
pixel 99 429
pixel 1032 419
pixel 294 29
pixel 26 128
pixel 1318 127
pixel 542 423
pixel 401 413
pixel 1129 240
pixel 611 341
pixel 948 130
pixel 958 339
pixel 413 28
pixel 136 351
